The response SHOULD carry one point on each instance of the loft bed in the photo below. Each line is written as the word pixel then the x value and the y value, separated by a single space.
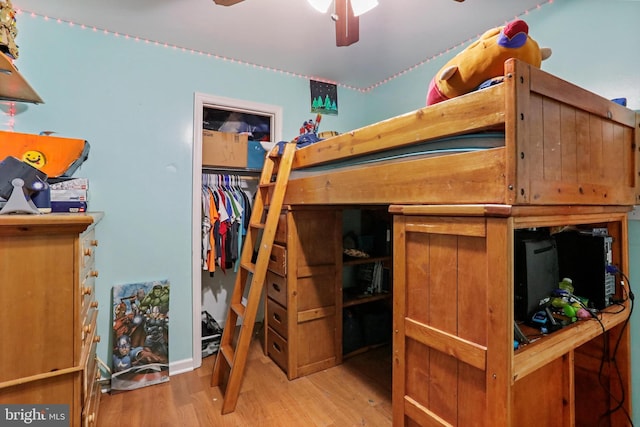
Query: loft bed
pixel 459 177
pixel 544 141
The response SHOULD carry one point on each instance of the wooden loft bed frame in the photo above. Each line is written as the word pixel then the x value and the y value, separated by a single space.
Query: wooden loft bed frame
pixel 569 158
pixel 563 145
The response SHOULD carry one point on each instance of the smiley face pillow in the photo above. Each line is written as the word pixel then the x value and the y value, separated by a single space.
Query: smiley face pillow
pixel 484 59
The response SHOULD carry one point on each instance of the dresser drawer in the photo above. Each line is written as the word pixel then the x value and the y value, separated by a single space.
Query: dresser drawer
pixel 278 260
pixel 90 409
pixel 277 288
pixel 91 372
pixel 281 231
pixel 277 349
pixel 88 244
pixel 88 330
pixel 277 318
pixel 88 302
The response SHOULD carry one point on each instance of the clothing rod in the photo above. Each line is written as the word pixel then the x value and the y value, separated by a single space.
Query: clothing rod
pixel 248 174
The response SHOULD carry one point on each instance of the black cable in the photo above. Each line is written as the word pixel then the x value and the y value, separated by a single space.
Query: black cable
pixel 620 402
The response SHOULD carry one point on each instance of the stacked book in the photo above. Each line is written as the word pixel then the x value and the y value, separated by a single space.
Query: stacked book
pixel 370 277
pixel 70 196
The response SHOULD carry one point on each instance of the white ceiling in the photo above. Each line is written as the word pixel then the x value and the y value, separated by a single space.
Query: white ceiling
pixel 290 36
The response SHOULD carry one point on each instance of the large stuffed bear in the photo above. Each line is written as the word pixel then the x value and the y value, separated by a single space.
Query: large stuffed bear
pixel 484 59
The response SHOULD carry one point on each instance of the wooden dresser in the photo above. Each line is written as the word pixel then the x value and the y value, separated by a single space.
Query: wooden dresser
pixel 302 315
pixel 48 318
pixel 305 297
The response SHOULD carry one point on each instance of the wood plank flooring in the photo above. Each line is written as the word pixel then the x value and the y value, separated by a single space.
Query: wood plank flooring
pixel 356 393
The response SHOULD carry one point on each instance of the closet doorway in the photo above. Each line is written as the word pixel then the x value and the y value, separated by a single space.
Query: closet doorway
pixel 208 109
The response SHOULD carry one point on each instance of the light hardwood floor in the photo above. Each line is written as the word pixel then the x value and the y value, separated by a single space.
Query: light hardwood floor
pixel 356 393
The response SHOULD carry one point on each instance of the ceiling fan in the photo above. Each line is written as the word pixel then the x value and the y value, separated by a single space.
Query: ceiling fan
pixel 346 15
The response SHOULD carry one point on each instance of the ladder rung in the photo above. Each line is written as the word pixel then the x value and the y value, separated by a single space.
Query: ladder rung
pixel 250 267
pixel 227 351
pixel 257 225
pixel 238 308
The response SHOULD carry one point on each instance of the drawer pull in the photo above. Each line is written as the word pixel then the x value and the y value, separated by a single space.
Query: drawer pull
pixel 277 347
pixel 273 257
pixel 94 273
pixel 87 329
pixel 96 338
pixel 277 317
pixel 275 286
pixel 94 243
pixel 94 304
pixel 87 290
pixel 87 252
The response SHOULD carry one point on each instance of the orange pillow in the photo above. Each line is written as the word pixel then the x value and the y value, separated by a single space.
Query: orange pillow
pixel 53 155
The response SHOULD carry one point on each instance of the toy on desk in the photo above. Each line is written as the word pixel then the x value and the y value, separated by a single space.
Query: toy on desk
pixel 483 60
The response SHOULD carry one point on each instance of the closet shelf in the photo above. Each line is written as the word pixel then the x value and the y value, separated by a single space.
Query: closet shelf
pixel 355 261
pixel 13 86
pixel 351 300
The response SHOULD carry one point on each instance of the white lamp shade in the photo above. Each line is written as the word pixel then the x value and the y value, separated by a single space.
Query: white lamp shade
pixel 321 6
pixel 362 6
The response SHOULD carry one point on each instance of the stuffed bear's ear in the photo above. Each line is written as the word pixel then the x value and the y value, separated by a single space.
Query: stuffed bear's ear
pixel 546 52
pixel 448 72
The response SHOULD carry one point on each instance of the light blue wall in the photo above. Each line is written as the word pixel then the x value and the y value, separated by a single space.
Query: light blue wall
pixel 134 103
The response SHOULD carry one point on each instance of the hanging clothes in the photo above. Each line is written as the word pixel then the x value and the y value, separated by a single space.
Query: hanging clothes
pixel 226 209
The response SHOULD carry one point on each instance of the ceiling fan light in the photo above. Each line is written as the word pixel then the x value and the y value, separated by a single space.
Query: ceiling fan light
pixel 321 6
pixel 362 6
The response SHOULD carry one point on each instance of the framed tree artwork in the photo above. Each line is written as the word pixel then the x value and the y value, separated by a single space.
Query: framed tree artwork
pixel 324 98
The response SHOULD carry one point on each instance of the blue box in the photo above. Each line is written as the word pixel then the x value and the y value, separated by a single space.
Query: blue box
pixel 68 206
pixel 255 155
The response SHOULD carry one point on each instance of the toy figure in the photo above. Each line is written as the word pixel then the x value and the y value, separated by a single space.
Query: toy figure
pixel 8 29
pixel 484 59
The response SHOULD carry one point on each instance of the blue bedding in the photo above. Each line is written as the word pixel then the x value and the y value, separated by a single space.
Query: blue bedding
pixel 440 147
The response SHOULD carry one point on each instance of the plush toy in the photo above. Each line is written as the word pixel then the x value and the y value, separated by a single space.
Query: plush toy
pixel 484 59
pixel 8 29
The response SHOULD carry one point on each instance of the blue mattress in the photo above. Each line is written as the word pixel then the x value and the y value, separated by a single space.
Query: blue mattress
pixel 439 147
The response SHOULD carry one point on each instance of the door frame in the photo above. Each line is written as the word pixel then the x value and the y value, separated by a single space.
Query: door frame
pixel 202 100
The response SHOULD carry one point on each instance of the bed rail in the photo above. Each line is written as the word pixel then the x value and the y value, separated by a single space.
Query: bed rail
pixel 563 145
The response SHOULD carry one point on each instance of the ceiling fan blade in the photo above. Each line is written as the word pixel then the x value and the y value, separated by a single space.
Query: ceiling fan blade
pixel 347 24
pixel 227 2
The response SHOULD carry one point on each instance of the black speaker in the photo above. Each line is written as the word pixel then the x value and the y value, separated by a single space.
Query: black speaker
pixel 536 272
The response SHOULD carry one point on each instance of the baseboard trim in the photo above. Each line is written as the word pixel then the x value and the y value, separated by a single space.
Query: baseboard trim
pixel 181 366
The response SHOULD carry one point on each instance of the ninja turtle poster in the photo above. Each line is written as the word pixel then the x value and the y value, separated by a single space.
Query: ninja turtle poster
pixel 140 335
pixel 324 98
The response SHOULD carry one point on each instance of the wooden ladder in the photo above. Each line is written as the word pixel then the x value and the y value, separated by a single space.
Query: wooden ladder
pixel 228 370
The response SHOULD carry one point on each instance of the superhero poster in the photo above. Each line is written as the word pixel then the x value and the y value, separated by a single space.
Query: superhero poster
pixel 140 335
